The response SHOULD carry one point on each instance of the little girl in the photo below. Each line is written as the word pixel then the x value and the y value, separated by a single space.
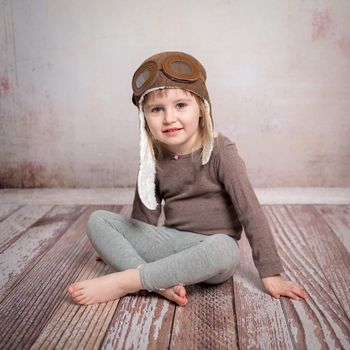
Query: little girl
pixel 208 198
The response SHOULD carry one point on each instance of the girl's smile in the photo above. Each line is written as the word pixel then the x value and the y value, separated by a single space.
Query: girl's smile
pixel 172 116
pixel 172 132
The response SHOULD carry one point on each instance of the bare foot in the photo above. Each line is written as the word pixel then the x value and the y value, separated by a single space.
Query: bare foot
pixel 109 287
pixel 175 293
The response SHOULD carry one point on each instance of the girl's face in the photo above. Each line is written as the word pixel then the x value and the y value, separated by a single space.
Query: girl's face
pixel 173 116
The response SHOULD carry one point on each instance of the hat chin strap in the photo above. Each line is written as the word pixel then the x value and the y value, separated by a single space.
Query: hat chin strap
pixel 147 170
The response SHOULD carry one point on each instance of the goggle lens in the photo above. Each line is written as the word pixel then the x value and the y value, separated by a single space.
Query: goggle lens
pixel 180 68
pixel 142 78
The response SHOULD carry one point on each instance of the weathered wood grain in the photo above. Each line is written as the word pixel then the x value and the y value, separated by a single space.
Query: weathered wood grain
pixel 321 313
pixel 16 224
pixel 330 253
pixel 21 255
pixel 261 323
pixel 6 209
pixel 208 320
pixel 126 210
pixel 29 305
pixel 142 321
pixel 338 218
pixel 75 326
pixel 36 311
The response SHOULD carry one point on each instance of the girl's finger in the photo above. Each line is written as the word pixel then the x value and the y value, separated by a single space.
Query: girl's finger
pixel 303 294
pixel 292 295
pixel 300 292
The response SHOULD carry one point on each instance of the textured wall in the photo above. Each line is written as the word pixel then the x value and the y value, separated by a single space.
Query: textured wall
pixel 278 77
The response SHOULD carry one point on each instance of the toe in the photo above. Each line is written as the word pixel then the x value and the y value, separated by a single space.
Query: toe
pixel 74 287
pixel 71 288
pixel 183 301
pixel 180 300
pixel 179 290
pixel 81 299
pixel 77 293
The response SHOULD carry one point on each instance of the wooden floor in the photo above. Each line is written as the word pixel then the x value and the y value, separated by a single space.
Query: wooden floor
pixel 44 248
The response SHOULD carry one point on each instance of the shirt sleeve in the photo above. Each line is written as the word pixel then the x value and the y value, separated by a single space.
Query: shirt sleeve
pixel 233 175
pixel 142 213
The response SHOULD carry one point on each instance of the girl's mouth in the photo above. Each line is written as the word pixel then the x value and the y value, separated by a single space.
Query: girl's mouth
pixel 172 131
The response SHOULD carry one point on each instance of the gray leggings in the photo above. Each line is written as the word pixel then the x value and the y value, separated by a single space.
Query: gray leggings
pixel 169 256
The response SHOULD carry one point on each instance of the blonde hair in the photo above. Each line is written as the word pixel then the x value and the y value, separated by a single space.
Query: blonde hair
pixel 203 125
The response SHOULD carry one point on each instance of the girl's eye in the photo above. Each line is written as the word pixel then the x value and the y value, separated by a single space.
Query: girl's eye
pixel 181 104
pixel 156 109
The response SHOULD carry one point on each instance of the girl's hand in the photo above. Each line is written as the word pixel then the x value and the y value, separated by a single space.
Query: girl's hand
pixel 277 286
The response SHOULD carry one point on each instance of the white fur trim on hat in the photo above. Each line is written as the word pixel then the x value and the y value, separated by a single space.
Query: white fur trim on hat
pixel 147 170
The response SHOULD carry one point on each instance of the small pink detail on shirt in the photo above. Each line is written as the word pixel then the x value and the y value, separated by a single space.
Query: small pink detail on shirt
pixel 176 156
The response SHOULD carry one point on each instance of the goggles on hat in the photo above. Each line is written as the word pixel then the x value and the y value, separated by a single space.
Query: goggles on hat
pixel 178 67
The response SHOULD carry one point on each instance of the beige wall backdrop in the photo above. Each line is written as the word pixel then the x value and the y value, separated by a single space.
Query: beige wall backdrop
pixel 278 78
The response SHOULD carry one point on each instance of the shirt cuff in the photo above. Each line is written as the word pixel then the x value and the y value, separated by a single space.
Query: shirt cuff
pixel 270 270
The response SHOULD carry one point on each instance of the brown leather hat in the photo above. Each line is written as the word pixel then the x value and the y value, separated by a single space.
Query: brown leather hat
pixel 170 69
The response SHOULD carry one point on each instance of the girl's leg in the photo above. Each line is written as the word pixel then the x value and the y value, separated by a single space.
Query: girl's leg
pixel 212 261
pixel 184 257
pixel 168 252
pixel 125 243
pixel 115 238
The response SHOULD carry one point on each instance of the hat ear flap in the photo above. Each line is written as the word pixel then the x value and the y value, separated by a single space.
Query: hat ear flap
pixel 208 148
pixel 147 170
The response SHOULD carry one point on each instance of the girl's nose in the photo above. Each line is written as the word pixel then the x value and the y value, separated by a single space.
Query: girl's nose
pixel 169 117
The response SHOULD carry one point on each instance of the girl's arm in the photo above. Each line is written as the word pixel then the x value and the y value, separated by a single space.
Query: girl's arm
pixel 232 173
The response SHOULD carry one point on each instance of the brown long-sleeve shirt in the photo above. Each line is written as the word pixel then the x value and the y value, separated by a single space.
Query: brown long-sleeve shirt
pixel 213 198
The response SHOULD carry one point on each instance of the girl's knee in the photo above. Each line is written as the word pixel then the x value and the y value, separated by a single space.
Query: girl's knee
pixel 95 220
pixel 92 222
pixel 228 252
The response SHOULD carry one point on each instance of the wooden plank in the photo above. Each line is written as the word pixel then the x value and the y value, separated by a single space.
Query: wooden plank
pixel 208 320
pixel 21 255
pixel 29 305
pixel 6 209
pixel 338 218
pixel 261 323
pixel 320 321
pixel 126 210
pixel 75 326
pixel 330 253
pixel 16 224
pixel 142 321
